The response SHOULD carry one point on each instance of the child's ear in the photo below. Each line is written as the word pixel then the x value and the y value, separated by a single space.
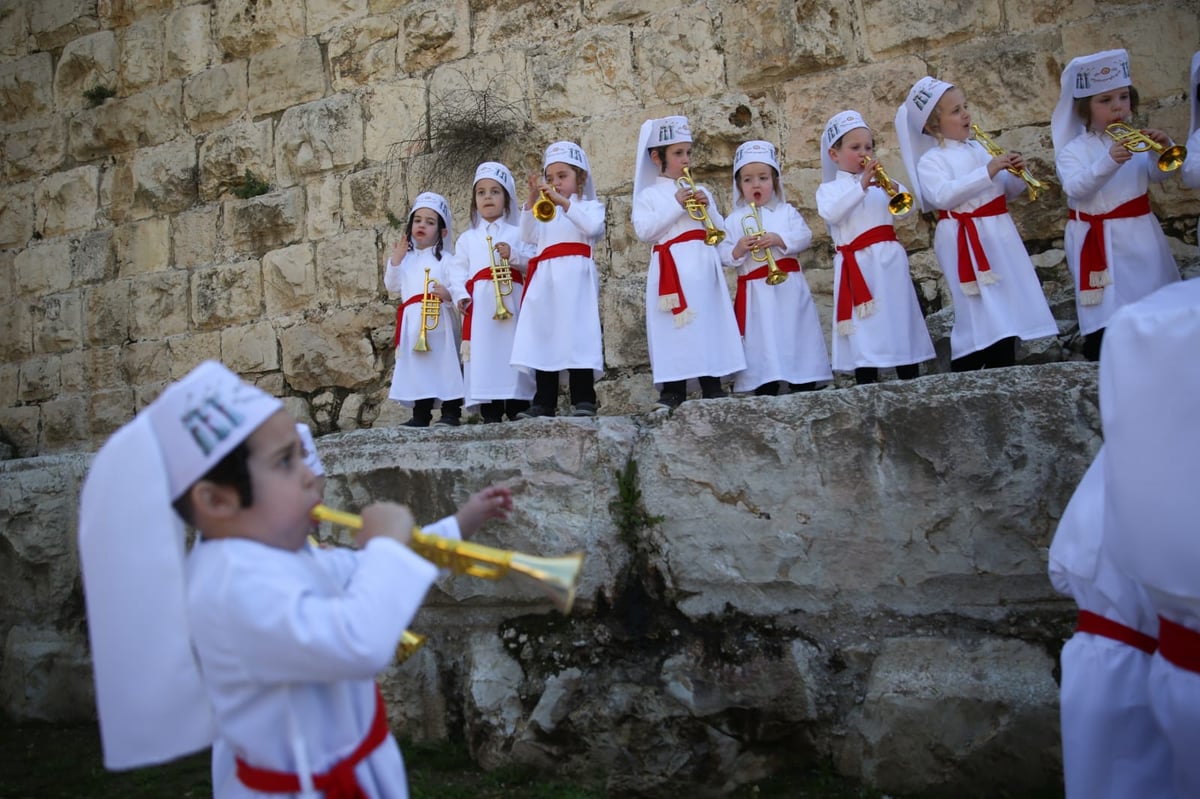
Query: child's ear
pixel 654 157
pixel 213 501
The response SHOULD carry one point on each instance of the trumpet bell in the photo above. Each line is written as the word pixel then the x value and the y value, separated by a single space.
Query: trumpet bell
pixel 502 312
pixel 410 642
pixel 557 577
pixel 713 235
pixel 900 204
pixel 544 209
pixel 1172 158
pixel 422 344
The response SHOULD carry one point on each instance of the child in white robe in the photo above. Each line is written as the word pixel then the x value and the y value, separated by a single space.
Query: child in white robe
pixel 258 644
pixel 877 320
pixel 491 309
pixel 427 371
pixel 558 333
pixel 779 322
pixel 690 325
pixel 1116 250
pixel 1190 171
pixel 997 295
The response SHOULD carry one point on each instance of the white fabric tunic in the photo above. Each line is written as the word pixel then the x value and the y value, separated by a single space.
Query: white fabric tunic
pixel 436 373
pixel 487 373
pixel 895 334
pixel 709 345
pixel 289 644
pixel 559 326
pixel 1139 258
pixel 1189 173
pixel 954 177
pixel 783 338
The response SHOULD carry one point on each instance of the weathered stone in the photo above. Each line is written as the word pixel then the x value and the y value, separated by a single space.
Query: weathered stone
pixel 245 27
pixel 433 32
pixel 143 247
pixel 216 96
pixel 623 321
pixel 40 378
pixel 14 36
pixel 108 409
pixel 117 13
pixel 52 23
pixel 369 195
pixel 16 214
pixel 141 64
pixel 225 295
pixel 45 674
pixel 86 63
pixel 92 258
pixel 57 323
pixel 19 426
pixel 248 349
pixel 1021 97
pixel 323 199
pixel 285 76
pixel 789 39
pixel 289 279
pixel 194 237
pixel 507 26
pixel 597 67
pixel 64 425
pixel 321 15
pixel 161 180
pixel 159 304
pixel 107 310
pixel 43 268
pixel 910 25
pixel 34 148
pixel 317 137
pixel 261 224
pixel 677 57
pixel 27 87
pixel 143 120
pixel 363 52
pixel 393 113
pixel 16 331
pixel 347 268
pixel 66 201
pixel 145 362
pixel 332 351
pixel 228 153
pixel 191 349
pixel 188 43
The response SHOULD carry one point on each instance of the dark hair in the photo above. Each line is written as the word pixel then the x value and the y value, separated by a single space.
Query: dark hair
pixel 837 145
pixel 232 470
pixel 662 156
pixel 437 248
pixel 1083 106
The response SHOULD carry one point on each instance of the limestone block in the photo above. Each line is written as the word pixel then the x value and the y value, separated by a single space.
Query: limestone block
pixel 226 155
pixel 676 56
pixel 27 86
pixel 225 295
pixel 499 26
pixel 250 348
pixel 393 113
pixel 9 374
pixel 595 70
pixel 66 202
pixel 323 199
pixel 16 331
pixel 317 137
pixel 36 147
pixel 333 351
pixel 16 214
pixel 194 236
pixel 118 13
pixel 912 26
pixel 1024 95
pixel 7 274
pixel 1160 44
pixel 786 39
pixel 45 674
pixel 19 426
pixel 347 267
pixel 245 27
pixel 433 32
pixel 43 268
pixel 14 37
pixel 495 681
pixel 159 305
pixel 264 223
pixel 145 362
pixel 158 180
pixel 151 117
pixel 64 425
pixel 321 15
pixel 86 63
pixel 107 308
pixel 108 409
pixel 1051 12
pixel 188 42
pixel 57 322
pixel 143 247
pixel 53 23
pixel 40 378
pixel 141 63
pixel 192 349
pixel 285 76
pixel 363 53
pixel 289 279
pixel 623 320
pixel 216 96
pixel 369 194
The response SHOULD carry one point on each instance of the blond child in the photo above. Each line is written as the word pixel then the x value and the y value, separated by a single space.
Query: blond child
pixel 779 323
pixel 429 374
pixel 690 325
pixel 1115 246
pixel 558 334
pixel 997 295
pixel 871 278
pixel 491 309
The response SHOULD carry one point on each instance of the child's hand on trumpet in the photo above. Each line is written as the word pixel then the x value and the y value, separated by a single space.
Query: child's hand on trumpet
pixel 386 519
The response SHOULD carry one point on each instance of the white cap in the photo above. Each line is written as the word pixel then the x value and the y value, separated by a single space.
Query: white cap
pixel 910 127
pixel 1086 76
pixel 1150 407
pixel 151 701
pixel 756 152
pixel 436 203
pixel 838 126
pixel 568 152
pixel 498 172
pixel 656 133
pixel 311 459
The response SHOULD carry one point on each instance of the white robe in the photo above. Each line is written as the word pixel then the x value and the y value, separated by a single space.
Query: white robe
pixel 709 345
pixel 895 334
pixel 559 326
pixel 783 338
pixel 487 373
pixel 436 373
pixel 1139 258
pixel 954 177
pixel 289 644
pixel 1189 173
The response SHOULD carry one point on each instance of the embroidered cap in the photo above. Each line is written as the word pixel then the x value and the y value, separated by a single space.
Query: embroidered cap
pixel 838 126
pixel 1086 76
pixel 568 152
pixel 756 151
pixel 498 172
pixel 911 117
pixel 656 133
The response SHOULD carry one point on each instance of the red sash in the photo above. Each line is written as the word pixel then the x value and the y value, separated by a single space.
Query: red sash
pixel 1179 645
pixel 483 274
pixel 739 299
pixel 400 316
pixel 1095 624
pixel 1093 262
pixel 670 292
pixel 968 242
pixel 337 783
pixel 560 250
pixel 853 291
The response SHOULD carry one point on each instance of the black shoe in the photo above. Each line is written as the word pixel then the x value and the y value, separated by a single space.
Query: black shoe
pixel 584 409
pixel 535 411
pixel 448 421
pixel 493 419
pixel 415 422
pixel 667 402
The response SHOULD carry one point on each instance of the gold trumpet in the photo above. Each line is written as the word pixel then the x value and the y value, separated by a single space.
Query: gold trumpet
pixel 558 577
pixel 431 313
pixel 712 236
pixel 1133 140
pixel 501 282
pixel 752 226
pixel 1036 186
pixel 544 208
pixel 902 201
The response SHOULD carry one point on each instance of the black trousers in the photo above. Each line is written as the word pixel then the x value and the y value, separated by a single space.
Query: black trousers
pixel 994 356
pixel 423 409
pixel 580 383
pixel 870 374
pixel 710 387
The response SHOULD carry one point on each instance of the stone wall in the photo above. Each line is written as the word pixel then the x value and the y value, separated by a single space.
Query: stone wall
pixel 871 592
pixel 126 258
